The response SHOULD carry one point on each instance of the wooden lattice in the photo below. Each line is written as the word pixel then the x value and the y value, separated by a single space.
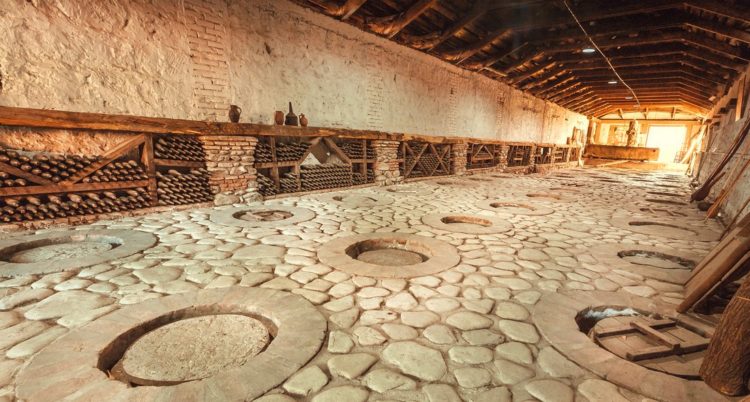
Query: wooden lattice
pixel 281 169
pixel 480 156
pixel 422 159
pixel 519 155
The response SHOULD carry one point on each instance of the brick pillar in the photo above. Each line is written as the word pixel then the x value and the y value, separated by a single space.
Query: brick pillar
pixel 386 162
pixel 459 158
pixel 504 150
pixel 229 160
pixel 532 160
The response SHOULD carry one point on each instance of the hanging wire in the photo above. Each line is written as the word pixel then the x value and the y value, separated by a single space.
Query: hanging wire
pixel 635 97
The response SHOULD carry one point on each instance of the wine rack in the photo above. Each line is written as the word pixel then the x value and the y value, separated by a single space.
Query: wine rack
pixel 181 175
pixel 482 156
pixel 283 166
pixel 519 155
pixel 543 155
pixel 422 159
pixel 141 172
pixel 362 156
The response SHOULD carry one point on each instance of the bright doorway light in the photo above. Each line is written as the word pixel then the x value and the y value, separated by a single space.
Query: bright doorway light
pixel 669 140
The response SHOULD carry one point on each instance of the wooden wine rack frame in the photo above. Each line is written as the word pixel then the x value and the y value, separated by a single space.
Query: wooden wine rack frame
pixel 483 156
pixel 274 167
pixel 418 151
pixel 142 133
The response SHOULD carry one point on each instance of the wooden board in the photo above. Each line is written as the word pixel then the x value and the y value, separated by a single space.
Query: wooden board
pixel 664 345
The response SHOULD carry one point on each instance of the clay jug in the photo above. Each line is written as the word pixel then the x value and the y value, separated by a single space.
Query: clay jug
pixel 278 117
pixel 303 120
pixel 234 113
pixel 291 118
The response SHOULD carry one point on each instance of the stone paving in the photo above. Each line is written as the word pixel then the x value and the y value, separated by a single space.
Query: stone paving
pixel 465 333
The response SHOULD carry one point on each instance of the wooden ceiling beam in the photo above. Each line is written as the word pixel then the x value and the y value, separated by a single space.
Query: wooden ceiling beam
pixel 390 26
pixel 639 72
pixel 478 10
pixel 664 85
pixel 649 61
pixel 343 11
pixel 653 72
pixel 674 99
pixel 595 108
pixel 644 95
pixel 590 13
pixel 722 9
pixel 531 72
pixel 430 41
pixel 720 29
pixel 463 53
pixel 683 50
pixel 551 87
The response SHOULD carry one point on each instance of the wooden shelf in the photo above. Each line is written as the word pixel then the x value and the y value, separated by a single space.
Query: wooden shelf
pixel 72 188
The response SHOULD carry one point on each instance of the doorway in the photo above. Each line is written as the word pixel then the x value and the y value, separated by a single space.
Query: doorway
pixel 669 140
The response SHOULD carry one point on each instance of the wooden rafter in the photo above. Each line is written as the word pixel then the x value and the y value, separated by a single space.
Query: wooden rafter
pixel 343 11
pixel 390 26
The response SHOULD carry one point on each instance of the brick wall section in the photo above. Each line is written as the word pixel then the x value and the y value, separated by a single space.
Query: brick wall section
pixel 386 162
pixel 208 42
pixel 230 161
pixel 458 152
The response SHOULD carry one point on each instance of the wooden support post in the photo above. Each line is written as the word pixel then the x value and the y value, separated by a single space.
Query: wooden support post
pixel 726 366
pixel 147 159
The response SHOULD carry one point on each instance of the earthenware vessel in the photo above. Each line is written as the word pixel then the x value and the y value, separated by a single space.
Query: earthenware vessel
pixel 278 117
pixel 234 113
pixel 303 120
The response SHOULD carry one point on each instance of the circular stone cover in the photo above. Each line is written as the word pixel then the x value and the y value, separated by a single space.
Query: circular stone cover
pixel 389 255
pixel 666 228
pixel 70 249
pixel 89 352
pixel 194 348
pixel 660 263
pixel 514 206
pixel 469 224
pixel 264 216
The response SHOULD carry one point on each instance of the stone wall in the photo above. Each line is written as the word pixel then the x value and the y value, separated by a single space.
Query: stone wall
pixel 192 58
pixel 721 140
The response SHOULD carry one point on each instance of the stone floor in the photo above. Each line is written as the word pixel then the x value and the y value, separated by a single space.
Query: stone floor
pixel 462 334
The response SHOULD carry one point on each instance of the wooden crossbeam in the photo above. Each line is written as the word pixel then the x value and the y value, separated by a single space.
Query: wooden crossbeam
pixel 430 41
pixel 470 50
pixel 343 11
pixel 117 152
pixel 392 25
pixel 4 167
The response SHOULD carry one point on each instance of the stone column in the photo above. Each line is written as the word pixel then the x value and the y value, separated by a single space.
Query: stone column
pixel 458 152
pixel 532 159
pixel 230 161
pixel 386 162
pixel 504 150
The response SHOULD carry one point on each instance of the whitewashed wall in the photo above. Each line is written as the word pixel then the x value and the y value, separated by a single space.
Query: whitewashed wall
pixel 144 57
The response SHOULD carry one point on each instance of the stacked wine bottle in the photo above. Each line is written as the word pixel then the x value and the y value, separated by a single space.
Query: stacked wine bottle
pixel 354 150
pixel 55 168
pixel 29 208
pixel 266 186
pixel 118 171
pixel 177 188
pixel 330 175
pixel 179 147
